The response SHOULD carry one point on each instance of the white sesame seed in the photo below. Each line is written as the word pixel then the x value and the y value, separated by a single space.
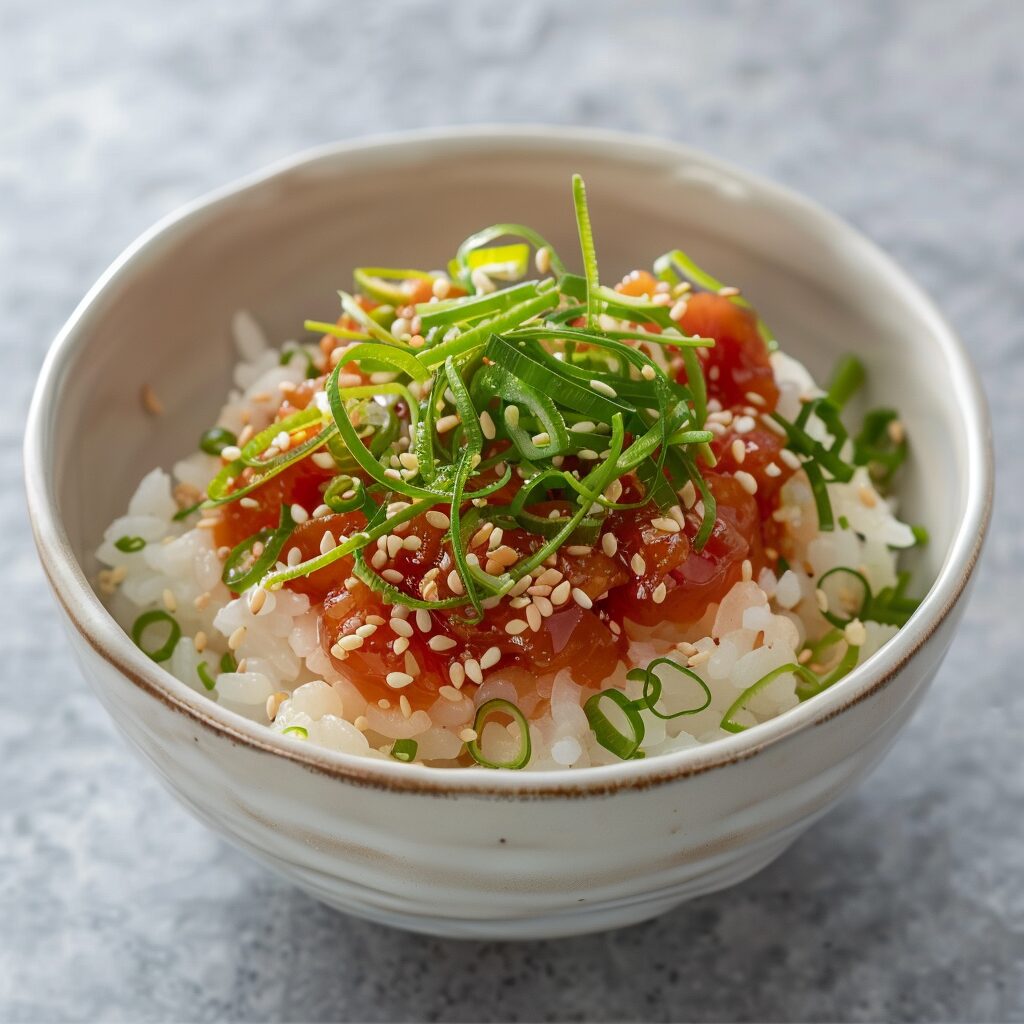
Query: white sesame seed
pixel 578 550
pixel 450 693
pixel 648 372
pixel 665 524
pixel 396 680
pixel 325 460
pixel 738 449
pixel 401 627
pixel 855 633
pixel 248 502
pixel 327 542
pixel 867 496
pixel 790 458
pixel 394 545
pixel 772 469
pixel 688 494
pixel 549 578
pixel 467 735
pixel 481 282
pixel 542 259
pixel 412 543
pixel 438 520
pixel 199 640
pixel 392 576
pixel 409 461
pixel 457 674
pixel 424 623
pixel 236 638
pixel 440 643
pixel 747 570
pixel 170 601
pixel 349 643
pixel 400 644
pixel 660 593
pixel 379 559
pixel 511 415
pixel 678 311
pixel 367 629
pixel 230 452
pixel 487 427
pixel 473 671
pixel 257 599
pixel 580 597
pixel 609 544
pixel 746 481
pixel 362 723
pixel 405 706
pixel 638 564
pixel 490 658
pixel 822 598
pixel 455 583
pixel 542 438
pixel 561 593
pixel 533 617
pixel 446 423
pixel 583 427
pixel 298 514
pixel 744 425
pixel 604 389
pixel 516 626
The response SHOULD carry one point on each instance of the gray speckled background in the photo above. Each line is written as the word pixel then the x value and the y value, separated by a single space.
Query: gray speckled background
pixel 908 119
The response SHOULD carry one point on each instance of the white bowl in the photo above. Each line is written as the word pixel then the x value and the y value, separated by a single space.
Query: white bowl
pixel 476 852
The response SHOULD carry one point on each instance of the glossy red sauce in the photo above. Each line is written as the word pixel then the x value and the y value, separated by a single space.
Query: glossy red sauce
pixel 676 584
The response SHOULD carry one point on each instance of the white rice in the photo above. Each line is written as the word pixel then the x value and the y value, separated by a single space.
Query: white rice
pixel 759 626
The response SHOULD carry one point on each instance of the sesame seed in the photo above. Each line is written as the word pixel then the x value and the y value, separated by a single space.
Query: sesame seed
pixel 604 389
pixel 327 542
pixel 392 474
pixel 561 593
pixel 366 630
pixel 744 425
pixel 392 576
pixel 789 458
pixel 660 593
pixel 170 601
pixel 896 431
pixel 441 287
pixel 543 605
pixel 274 702
pixel 412 543
pixel 200 642
pixel 688 494
pixel 583 427
pixel 746 481
pixel 549 578
pixel 202 600
pixel 512 415
pixel 581 598
pixel 542 261
pixel 519 602
pixel 438 520
pixel 481 282
pixel 638 564
pixel 400 644
pixel 487 427
pixel 867 496
pixel 440 643
pixel 542 438
pixel 257 599
pixel 393 544
pixel 401 627
pixel 748 570
pixel 468 735
pixel 754 398
pixel 609 544
pixel 822 598
pixel 648 372
pixel 473 672
pixel 455 583
pixel 406 707
pixel 424 623
pixel 236 638
pixel 578 549
pixel 150 402
pixel 409 461
pixel 450 693
pixel 379 559
pixel 349 643
pixel 772 469
pixel 515 626
pixel 446 423
pixel 533 617
pixel 665 524
pixel 739 450
pixel 248 502
pixel 490 657
pixel 457 674
pixel 325 460
pixel 396 680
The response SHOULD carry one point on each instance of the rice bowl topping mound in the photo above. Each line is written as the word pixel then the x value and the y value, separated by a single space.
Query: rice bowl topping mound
pixel 505 515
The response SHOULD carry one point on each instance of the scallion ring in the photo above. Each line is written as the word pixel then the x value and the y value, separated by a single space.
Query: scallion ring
pixel 129 545
pixel 845 590
pixel 653 688
pixel 623 744
pixel 152 618
pixel 497 706
pixel 404 750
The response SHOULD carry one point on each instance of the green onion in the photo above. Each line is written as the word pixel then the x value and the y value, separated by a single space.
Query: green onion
pixel 404 750
pixel 497 706
pixel 874 447
pixel 729 723
pixel 624 744
pixel 312 372
pixel 204 674
pixel 847 379
pixel 228 662
pixel 214 440
pixel 461 266
pixel 377 282
pixel 243 568
pixel 154 618
pixel 921 534
pixel 298 731
pixel 653 686
pixel 129 545
pixel 833 583
pixel 502 262
pixel 586 233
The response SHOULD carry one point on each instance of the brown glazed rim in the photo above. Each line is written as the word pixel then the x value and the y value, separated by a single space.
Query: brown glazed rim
pixel 109 641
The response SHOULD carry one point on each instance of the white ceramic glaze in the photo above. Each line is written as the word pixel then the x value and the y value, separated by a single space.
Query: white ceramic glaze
pixel 477 853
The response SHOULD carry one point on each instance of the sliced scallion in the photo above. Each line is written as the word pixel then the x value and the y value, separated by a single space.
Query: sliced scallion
pixel 145 623
pixel 484 713
pixel 129 545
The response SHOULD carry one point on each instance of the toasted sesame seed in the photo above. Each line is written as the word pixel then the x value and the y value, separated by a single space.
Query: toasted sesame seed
pixel 349 643
pixel 412 543
pixel 822 598
pixel 665 524
pixel 490 657
pixel 604 389
pixel 202 600
pixel 396 680
pixel 473 671
pixel 746 481
pixel 660 593
pixel 578 550
pixel 520 602
pixel 446 423
pixel 408 460
pixel 199 640
pixel 274 702
pixel 405 706
pixel 438 520
pixel 170 601
pixel 561 593
pixel 367 629
pixel 257 599
pixel 450 693
pixel 638 564
pixel 550 578
pixel 392 576
pixel 393 545
pixel 678 311
pixel 424 623
pixel 744 425
pixel 379 559
pixel 805 656
pixel 688 494
pixel 441 287
pixel 533 617
pixel 581 598
pixel 543 605
pixel 248 502
pixel 400 644
pixel 542 438
pixel 236 638
pixel 401 627
pixel 481 282
pixel 516 626
pixel 867 496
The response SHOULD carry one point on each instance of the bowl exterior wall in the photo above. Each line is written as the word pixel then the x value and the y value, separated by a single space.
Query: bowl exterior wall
pixel 499 867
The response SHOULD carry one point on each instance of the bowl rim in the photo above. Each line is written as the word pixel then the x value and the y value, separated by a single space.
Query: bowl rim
pixel 111 643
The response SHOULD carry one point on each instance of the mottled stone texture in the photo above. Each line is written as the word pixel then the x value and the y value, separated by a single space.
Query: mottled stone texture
pixel 906 903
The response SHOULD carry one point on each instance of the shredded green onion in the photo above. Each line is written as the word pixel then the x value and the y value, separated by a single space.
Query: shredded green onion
pixel 204 674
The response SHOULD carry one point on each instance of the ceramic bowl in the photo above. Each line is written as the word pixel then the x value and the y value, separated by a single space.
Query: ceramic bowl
pixel 481 853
